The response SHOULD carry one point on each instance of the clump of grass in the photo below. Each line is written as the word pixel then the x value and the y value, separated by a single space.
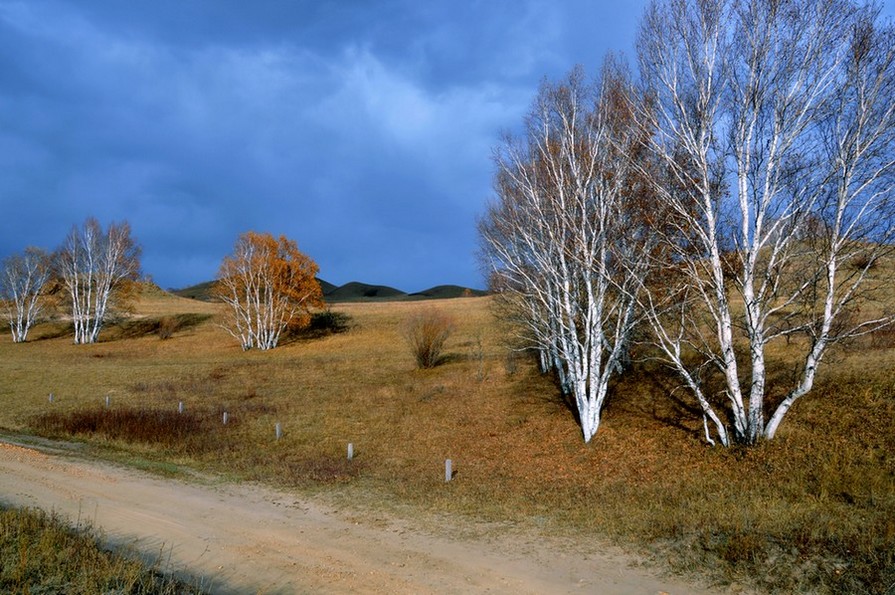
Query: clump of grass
pixel 40 553
pixel 167 326
pixel 426 332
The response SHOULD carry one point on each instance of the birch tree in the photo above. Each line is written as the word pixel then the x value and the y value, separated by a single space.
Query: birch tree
pixel 269 286
pixel 23 281
pixel 774 122
pixel 562 241
pixel 97 268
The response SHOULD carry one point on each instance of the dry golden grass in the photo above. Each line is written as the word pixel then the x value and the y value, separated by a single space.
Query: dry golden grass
pixel 40 553
pixel 813 510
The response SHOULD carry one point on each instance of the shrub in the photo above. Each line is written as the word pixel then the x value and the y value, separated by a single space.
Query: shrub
pixel 167 326
pixel 426 332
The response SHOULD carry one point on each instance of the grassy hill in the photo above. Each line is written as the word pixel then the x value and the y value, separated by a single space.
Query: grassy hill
pixel 326 287
pixel 448 292
pixel 200 291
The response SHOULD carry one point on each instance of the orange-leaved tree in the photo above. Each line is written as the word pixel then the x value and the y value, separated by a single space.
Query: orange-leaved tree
pixel 270 286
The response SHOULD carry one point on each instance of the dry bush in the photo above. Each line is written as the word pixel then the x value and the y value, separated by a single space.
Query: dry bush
pixel 426 332
pixel 322 324
pixel 193 432
pixel 167 326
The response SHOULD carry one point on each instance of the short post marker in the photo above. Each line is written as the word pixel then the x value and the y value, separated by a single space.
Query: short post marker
pixel 350 451
pixel 447 470
pixel 51 397
pixel 226 417
pixel 278 430
pixel 108 401
pixel 180 407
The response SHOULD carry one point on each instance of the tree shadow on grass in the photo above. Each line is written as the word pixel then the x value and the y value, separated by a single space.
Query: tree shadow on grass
pixel 323 324
pixel 163 326
pixel 655 394
pixel 51 330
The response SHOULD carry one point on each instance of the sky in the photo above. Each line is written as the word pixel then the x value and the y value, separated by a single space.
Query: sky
pixel 362 130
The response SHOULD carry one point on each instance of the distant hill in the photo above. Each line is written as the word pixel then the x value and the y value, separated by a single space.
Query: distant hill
pixel 447 291
pixel 326 286
pixel 354 291
pixel 149 289
pixel 202 291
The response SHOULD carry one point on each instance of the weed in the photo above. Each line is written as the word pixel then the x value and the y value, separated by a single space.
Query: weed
pixel 191 432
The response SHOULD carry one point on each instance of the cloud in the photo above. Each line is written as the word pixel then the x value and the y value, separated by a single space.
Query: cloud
pixel 362 130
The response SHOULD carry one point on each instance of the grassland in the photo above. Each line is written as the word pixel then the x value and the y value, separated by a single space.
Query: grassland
pixel 812 511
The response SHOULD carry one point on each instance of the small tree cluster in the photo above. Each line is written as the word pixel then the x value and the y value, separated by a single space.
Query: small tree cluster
pixel 269 285
pixel 426 332
pixel 21 286
pixel 95 267
pixel 567 238
pixel 774 123
pixel 742 195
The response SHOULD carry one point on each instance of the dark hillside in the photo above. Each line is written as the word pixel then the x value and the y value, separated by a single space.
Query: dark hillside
pixel 201 291
pixel 326 287
pixel 356 291
pixel 447 292
pixel 352 292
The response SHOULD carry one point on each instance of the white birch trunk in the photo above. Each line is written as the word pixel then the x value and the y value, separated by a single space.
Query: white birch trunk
pixel 562 241
pixel 261 304
pixel 775 122
pixel 24 277
pixel 93 265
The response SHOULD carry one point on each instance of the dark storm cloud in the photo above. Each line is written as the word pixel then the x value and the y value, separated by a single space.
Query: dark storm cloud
pixel 363 130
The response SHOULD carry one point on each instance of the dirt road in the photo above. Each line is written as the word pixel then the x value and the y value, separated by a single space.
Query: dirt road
pixel 248 539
